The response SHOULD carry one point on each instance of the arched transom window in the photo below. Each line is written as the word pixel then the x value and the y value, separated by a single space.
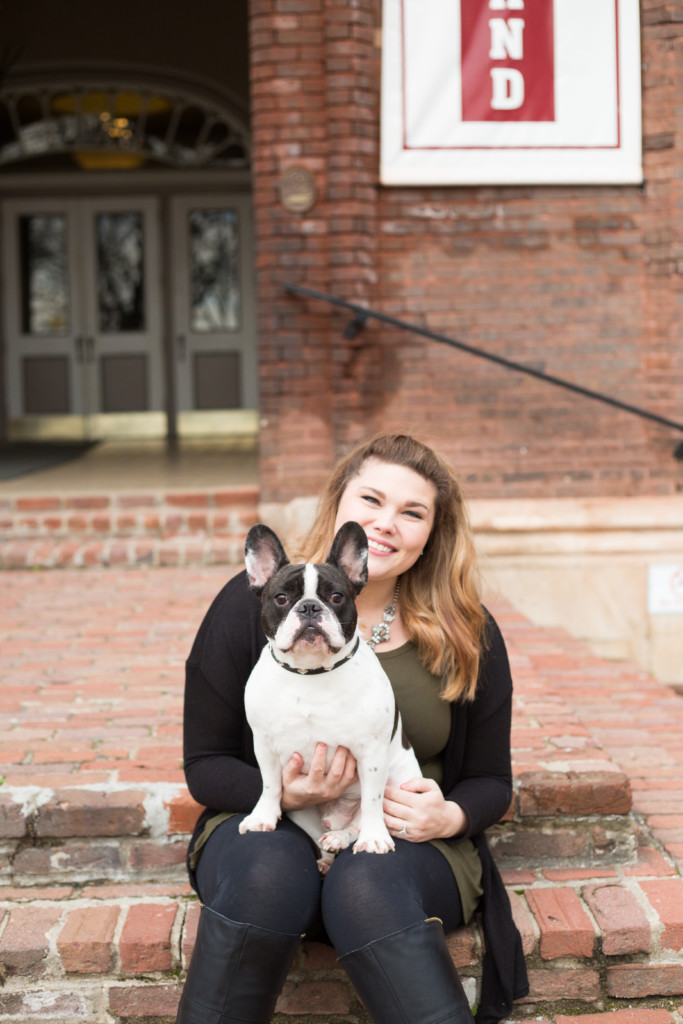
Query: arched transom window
pixel 111 125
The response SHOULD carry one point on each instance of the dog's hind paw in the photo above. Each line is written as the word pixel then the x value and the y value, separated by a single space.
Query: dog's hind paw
pixel 325 862
pixel 337 840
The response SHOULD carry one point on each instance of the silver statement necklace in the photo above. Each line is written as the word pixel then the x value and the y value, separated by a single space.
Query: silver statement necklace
pixel 380 633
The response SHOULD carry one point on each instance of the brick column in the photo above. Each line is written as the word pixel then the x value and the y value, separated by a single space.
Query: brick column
pixel 314 101
pixel 353 54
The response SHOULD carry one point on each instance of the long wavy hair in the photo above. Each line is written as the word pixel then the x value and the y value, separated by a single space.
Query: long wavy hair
pixel 440 600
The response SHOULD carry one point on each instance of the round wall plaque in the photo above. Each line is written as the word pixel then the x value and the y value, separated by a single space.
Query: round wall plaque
pixel 297 190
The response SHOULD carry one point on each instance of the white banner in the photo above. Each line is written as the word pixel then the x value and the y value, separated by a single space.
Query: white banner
pixel 511 92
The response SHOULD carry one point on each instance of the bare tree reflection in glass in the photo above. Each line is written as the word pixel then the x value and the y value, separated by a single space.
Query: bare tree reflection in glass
pixel 120 272
pixel 214 262
pixel 44 279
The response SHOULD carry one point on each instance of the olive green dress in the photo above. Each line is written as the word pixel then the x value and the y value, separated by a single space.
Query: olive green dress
pixel 427 722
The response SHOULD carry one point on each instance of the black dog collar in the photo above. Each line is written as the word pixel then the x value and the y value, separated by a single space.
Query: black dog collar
pixel 316 671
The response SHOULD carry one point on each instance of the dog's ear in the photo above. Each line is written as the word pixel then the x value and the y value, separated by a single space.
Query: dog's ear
pixel 350 554
pixel 263 556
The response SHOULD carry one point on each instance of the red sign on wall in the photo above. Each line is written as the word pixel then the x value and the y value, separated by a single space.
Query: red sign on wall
pixel 508 64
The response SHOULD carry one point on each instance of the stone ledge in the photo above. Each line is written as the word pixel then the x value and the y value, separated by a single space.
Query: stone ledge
pixel 546 528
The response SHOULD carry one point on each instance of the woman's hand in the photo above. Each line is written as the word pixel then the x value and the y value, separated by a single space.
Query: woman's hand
pixel 420 807
pixel 304 789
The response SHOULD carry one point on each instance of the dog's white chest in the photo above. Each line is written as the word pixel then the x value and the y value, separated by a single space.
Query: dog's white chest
pixel 351 706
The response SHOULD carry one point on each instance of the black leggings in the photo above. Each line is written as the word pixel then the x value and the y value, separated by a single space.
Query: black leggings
pixel 271 879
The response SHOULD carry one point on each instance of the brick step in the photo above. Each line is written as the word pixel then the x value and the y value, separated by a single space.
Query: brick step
pixel 137 528
pixel 77 835
pixel 126 823
pixel 103 952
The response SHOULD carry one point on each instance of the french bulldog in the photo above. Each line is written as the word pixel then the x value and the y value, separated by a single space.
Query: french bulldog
pixel 317 681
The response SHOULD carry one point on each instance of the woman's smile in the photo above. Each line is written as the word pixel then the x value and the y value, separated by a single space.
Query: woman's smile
pixel 378 548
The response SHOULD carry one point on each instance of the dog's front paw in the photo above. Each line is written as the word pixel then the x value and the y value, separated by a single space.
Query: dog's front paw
pixel 369 842
pixel 258 823
pixel 337 840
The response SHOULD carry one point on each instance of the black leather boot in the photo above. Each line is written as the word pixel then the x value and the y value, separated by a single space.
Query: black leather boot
pixel 409 978
pixel 236 973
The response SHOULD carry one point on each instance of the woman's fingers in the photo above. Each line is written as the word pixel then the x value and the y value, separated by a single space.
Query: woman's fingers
pixel 342 771
pixel 318 762
pixel 319 783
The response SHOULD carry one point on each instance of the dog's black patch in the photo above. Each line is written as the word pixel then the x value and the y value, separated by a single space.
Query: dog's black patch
pixel 330 582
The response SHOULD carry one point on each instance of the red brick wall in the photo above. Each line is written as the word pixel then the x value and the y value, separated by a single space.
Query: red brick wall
pixel 584 283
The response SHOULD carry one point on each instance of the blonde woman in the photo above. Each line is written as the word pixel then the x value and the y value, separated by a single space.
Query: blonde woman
pixel 385 915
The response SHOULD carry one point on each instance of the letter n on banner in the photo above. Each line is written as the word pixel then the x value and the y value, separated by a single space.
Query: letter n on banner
pixel 508 63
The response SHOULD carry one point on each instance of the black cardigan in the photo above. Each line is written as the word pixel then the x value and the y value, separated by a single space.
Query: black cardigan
pixel 222 773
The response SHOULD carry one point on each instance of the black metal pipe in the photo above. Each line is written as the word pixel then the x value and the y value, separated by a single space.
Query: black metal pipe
pixel 363 313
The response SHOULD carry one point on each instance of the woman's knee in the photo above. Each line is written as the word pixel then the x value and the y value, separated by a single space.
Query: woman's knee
pixel 368 896
pixel 359 877
pixel 365 897
pixel 269 879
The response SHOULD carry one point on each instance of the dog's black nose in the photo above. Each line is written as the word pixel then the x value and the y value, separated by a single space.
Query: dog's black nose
pixel 309 610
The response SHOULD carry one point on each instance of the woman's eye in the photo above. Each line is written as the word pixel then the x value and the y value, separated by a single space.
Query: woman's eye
pixel 371 498
pixel 414 515
pixel 281 600
pixel 337 599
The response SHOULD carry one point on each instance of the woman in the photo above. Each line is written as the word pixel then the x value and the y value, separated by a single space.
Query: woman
pixel 385 914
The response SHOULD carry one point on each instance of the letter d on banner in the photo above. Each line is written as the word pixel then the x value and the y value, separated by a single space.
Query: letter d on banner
pixel 508 89
pixel 507 61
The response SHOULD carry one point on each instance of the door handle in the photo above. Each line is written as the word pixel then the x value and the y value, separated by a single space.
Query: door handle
pixel 182 347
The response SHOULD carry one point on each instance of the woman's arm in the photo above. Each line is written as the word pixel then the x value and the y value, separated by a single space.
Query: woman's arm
pixel 484 787
pixel 220 769
pixel 216 774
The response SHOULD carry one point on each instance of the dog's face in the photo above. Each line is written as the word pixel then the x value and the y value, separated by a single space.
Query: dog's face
pixel 308 608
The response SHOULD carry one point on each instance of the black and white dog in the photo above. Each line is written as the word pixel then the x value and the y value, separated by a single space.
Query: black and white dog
pixel 318 682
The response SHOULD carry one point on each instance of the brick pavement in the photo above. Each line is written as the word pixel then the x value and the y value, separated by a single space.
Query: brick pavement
pixel 95 913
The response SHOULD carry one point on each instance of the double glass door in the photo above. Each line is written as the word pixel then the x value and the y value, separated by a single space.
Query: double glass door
pixel 82 308
pixel 95 311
